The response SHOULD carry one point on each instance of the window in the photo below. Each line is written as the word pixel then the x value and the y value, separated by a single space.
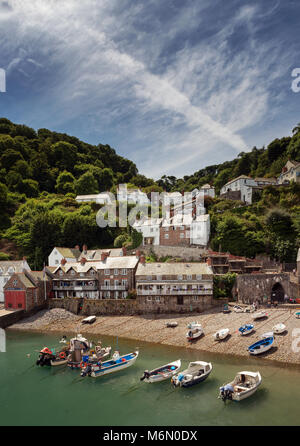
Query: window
pixel 73 273
pixel 116 282
pixel 189 277
pixel 199 276
pixel 187 234
pixel 181 228
pixel 180 277
pixel 124 271
pixel 56 262
pixel 181 235
pixel 166 236
pixel 106 282
pixel 61 273
pixel 107 272
pixel 124 282
pixel 124 294
pixel 179 300
pixel 116 272
pixel 195 298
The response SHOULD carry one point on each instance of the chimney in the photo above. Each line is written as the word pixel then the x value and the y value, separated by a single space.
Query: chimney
pixel 77 247
pixel 25 258
pixel 84 249
pixel 142 260
pixel 63 261
pixel 124 250
pixel 104 255
pixel 83 260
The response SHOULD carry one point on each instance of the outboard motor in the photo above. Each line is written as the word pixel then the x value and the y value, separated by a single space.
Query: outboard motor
pixel 146 375
pixel 226 392
pixel 86 371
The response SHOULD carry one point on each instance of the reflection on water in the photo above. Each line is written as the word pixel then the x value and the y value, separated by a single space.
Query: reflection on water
pixel 32 395
pixel 2 341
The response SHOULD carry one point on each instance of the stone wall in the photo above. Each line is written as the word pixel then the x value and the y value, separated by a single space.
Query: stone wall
pixel 252 287
pixel 69 304
pixel 110 307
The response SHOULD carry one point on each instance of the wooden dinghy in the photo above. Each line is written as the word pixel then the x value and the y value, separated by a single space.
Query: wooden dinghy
pixel 161 373
pixel 196 372
pixel 261 346
pixel 243 386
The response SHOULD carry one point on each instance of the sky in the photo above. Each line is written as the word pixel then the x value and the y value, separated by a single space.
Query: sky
pixel 173 85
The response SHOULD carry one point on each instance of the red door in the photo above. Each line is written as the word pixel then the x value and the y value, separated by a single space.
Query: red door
pixel 15 300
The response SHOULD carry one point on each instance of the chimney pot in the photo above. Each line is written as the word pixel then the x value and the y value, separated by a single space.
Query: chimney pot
pixel 63 261
pixel 83 260
pixel 124 250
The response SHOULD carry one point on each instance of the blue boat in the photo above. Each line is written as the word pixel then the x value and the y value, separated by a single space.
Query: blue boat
pixel 113 365
pixel 246 329
pixel 261 346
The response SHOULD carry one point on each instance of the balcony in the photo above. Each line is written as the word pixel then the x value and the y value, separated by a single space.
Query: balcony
pixel 202 292
pixel 114 287
pixel 57 287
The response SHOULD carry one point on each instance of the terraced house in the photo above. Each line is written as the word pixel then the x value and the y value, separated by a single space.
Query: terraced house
pixel 110 278
pixel 174 286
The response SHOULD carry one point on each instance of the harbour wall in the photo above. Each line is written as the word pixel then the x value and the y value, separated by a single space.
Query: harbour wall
pixel 132 307
pixel 11 317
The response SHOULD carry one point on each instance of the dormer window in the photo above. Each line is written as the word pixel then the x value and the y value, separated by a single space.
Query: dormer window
pixel 60 272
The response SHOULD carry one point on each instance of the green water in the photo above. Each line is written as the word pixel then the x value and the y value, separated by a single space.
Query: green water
pixel 30 395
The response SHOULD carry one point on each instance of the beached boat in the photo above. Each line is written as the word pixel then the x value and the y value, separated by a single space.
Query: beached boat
pixel 221 334
pixel 279 328
pixel 194 333
pixel 79 347
pixel 238 309
pixel 88 320
pixel 261 346
pixel 243 386
pixel 115 364
pixel 171 324
pixel 259 315
pixel 196 372
pixel 161 373
pixel 49 357
pixel 246 329
pixel 297 314
pixel 193 324
pixel 226 309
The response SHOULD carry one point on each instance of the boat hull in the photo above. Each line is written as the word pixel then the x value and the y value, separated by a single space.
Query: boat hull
pixel 114 367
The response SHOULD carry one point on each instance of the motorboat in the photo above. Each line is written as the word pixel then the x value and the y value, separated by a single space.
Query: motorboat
pixel 196 372
pixel 194 333
pixel 116 363
pixel 88 320
pixel 279 328
pixel 246 329
pixel 261 346
pixel 49 357
pixel 243 386
pixel 171 324
pixel 79 346
pixel 161 373
pixel 221 334
pixel 259 315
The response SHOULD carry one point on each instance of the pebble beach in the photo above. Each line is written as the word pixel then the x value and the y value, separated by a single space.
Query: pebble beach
pixel 152 328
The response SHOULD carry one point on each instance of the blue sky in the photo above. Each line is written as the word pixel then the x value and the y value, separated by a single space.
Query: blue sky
pixel 174 85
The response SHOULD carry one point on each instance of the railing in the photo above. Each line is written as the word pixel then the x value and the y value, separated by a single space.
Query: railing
pixel 114 287
pixel 75 288
pixel 174 292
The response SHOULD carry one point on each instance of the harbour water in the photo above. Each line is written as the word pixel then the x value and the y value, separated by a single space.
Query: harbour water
pixel 32 395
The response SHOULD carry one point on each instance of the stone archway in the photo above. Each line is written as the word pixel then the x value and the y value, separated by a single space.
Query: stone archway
pixel 277 293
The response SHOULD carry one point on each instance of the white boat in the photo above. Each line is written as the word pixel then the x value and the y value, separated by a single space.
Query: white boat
pixel 196 372
pixel 113 365
pixel 161 373
pixel 259 315
pixel 279 328
pixel 171 324
pixel 221 334
pixel 243 386
pixel 88 320
pixel 261 346
pixel 238 309
pixel 194 333
pixel 246 329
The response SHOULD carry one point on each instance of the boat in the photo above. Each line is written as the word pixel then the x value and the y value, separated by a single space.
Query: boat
pixel 88 320
pixel 79 346
pixel 196 372
pixel 259 315
pixel 63 340
pixel 49 357
pixel 115 364
pixel 238 309
pixel 246 329
pixel 279 328
pixel 194 333
pixel 193 324
pixel 297 314
pixel 226 309
pixel 161 373
pixel 221 334
pixel 171 324
pixel 261 346
pixel 243 386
